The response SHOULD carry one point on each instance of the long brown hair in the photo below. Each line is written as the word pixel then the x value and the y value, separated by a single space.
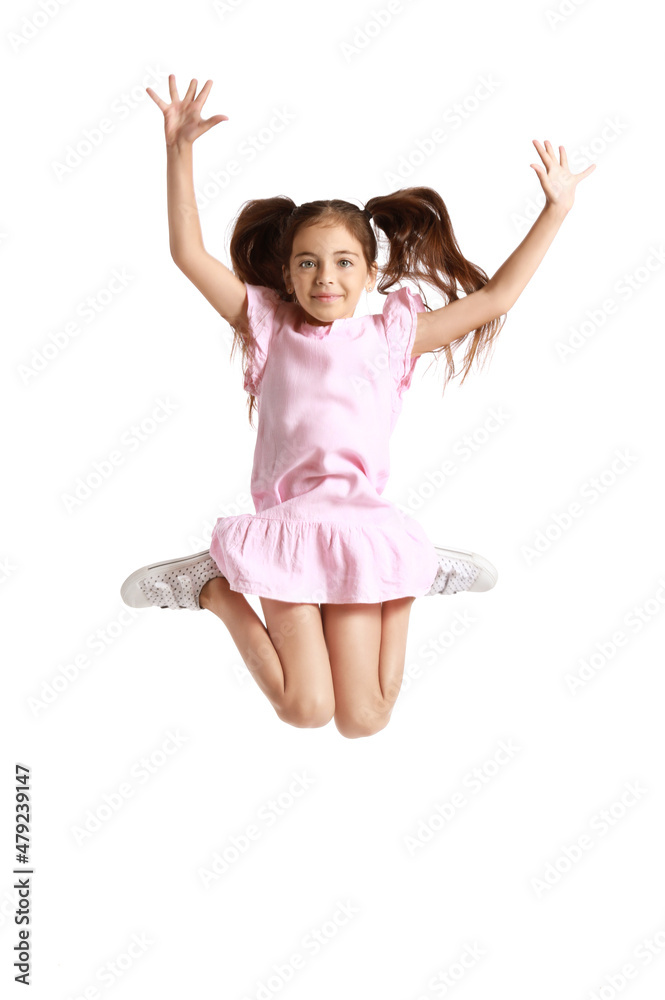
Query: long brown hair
pixel 421 247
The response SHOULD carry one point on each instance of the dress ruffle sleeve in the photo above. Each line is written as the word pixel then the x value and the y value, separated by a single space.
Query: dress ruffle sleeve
pixel 261 305
pixel 400 317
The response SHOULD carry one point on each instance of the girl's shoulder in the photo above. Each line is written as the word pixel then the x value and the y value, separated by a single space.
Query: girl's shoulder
pixel 400 308
pixel 261 297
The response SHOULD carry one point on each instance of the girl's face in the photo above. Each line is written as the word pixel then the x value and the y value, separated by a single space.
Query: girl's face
pixel 327 272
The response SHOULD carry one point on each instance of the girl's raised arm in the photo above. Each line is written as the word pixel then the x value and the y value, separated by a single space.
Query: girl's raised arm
pixel 442 326
pixel 182 126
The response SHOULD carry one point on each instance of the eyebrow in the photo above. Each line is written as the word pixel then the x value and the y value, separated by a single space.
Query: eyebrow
pixel 308 253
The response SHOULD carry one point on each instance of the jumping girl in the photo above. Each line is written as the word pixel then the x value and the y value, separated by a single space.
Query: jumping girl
pixel 335 566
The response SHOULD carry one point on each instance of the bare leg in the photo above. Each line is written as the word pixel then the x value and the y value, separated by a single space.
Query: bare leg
pixel 367 647
pixel 293 650
pixel 394 630
pixel 249 634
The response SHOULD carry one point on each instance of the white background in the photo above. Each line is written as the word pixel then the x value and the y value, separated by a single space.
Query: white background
pixel 590 79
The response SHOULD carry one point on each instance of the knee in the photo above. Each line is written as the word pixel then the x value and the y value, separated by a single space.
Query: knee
pixel 307 712
pixel 357 724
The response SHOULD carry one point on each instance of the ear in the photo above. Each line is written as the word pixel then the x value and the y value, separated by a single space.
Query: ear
pixel 286 275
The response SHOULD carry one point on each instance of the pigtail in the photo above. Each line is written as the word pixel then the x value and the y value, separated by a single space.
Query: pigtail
pixel 255 251
pixel 422 247
pixel 256 241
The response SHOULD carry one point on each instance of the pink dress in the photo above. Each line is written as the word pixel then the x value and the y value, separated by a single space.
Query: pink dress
pixel 328 399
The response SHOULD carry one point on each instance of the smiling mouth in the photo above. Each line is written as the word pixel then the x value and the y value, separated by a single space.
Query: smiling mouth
pixel 327 298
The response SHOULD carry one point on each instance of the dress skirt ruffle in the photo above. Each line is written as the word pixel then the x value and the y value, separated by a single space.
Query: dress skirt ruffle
pixel 323 562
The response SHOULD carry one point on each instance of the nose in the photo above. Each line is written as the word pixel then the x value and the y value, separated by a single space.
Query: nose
pixel 325 275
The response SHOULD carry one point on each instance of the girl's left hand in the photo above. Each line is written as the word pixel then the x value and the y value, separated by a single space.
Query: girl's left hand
pixel 557 181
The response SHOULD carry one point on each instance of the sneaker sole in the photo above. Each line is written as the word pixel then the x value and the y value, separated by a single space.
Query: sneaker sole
pixel 131 593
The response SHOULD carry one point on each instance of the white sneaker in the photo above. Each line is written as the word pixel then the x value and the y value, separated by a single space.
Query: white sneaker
pixel 175 583
pixel 461 570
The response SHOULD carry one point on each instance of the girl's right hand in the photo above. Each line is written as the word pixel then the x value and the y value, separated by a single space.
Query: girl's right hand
pixel 182 118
